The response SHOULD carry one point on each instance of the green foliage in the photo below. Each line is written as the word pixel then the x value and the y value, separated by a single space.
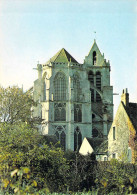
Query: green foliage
pixel 15 105
pixel 80 175
pixel 26 167
pixel 115 176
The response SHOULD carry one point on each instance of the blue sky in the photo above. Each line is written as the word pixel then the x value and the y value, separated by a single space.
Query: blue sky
pixel 34 30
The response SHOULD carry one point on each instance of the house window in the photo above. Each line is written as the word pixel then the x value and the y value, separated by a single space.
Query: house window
pixel 105 158
pixel 114 155
pixel 129 155
pixel 94 57
pixel 76 86
pixel 77 139
pixel 60 112
pixel 114 133
pixel 60 87
pixel 61 136
pixel 77 112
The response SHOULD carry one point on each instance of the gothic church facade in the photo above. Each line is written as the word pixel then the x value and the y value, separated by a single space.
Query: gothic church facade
pixel 75 100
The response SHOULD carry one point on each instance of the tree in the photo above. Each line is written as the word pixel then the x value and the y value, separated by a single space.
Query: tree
pixel 116 176
pixel 25 165
pixel 15 105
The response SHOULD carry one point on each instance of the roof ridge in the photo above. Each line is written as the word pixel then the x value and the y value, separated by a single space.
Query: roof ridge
pixel 65 51
pixel 128 114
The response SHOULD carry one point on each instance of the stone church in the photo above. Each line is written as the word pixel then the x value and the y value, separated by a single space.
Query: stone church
pixel 74 100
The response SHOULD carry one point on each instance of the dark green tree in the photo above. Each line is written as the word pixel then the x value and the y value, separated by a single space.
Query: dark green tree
pixel 26 166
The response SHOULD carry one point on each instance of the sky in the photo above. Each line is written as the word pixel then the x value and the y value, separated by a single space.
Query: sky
pixel 35 30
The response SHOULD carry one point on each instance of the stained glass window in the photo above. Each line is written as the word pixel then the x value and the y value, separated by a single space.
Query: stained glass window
pixel 61 136
pixel 60 87
pixel 77 112
pixel 59 111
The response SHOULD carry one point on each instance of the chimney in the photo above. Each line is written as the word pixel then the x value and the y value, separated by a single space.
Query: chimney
pixel 125 97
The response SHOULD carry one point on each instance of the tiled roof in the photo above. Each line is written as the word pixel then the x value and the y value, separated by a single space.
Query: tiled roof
pixel 62 57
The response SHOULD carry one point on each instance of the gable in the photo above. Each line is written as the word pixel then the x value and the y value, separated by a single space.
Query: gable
pixel 132 112
pixel 100 61
pixel 86 147
pixel 121 135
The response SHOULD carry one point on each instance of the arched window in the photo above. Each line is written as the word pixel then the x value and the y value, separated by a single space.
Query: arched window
pixel 61 136
pixel 94 57
pixel 77 139
pixel 91 79
pixel 60 87
pixel 98 80
pixel 59 111
pixel 77 112
pixel 98 85
pixel 76 86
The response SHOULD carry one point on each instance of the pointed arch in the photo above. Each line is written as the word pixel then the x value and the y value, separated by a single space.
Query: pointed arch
pixel 98 85
pixel 59 111
pixel 60 87
pixel 77 112
pixel 94 58
pixel 77 138
pixel 61 136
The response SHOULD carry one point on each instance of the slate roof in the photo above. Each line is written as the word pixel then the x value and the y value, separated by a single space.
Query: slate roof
pixel 132 112
pixel 62 57
pixel 98 145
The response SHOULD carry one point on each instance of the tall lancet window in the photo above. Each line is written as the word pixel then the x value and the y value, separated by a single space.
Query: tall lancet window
pixel 91 79
pixel 77 138
pixel 60 87
pixel 61 136
pixel 60 97
pixel 98 85
pixel 98 80
pixel 76 86
pixel 94 58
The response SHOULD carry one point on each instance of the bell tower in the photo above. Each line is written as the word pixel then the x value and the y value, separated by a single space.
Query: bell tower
pixel 98 70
